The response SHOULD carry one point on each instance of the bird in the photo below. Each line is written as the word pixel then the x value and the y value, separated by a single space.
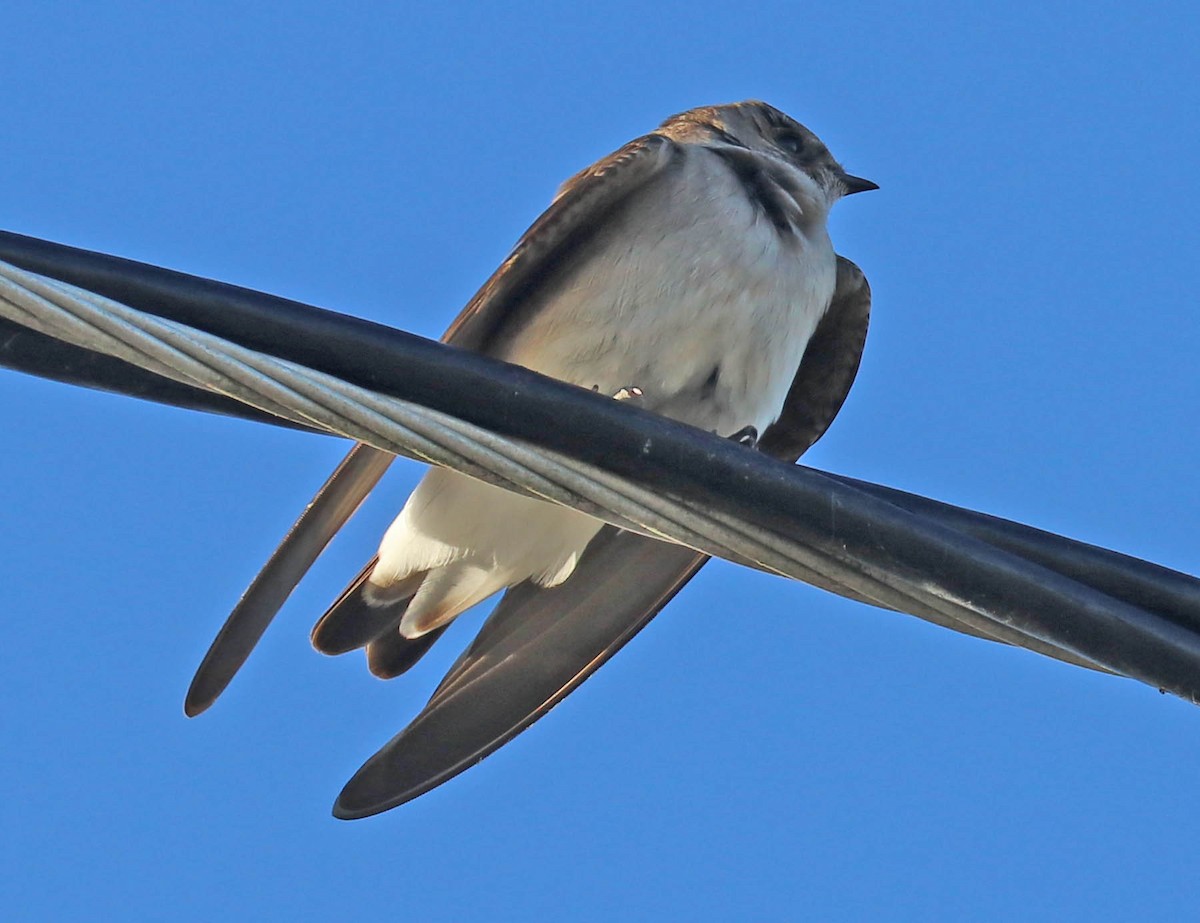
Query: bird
pixel 623 235
pixel 697 295
pixel 690 273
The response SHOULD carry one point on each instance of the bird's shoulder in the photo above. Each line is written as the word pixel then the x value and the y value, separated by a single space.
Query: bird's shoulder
pixel 578 211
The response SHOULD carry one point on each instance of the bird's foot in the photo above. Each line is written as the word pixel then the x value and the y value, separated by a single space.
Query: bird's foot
pixel 627 394
pixel 747 436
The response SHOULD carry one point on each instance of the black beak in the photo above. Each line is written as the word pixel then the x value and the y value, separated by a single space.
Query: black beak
pixel 855 184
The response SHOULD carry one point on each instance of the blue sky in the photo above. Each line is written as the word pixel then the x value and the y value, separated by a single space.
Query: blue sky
pixel 762 750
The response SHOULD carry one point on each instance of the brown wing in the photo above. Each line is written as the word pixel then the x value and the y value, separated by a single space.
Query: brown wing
pixel 576 213
pixel 540 644
pixel 827 370
pixel 329 510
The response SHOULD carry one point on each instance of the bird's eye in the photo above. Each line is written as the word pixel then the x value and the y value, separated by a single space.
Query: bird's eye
pixel 792 142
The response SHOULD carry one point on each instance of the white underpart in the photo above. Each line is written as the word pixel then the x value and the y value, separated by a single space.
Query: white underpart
pixel 693 279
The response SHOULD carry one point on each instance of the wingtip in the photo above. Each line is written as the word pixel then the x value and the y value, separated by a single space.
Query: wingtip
pixel 343 813
pixel 362 795
pixel 200 695
pixel 418 759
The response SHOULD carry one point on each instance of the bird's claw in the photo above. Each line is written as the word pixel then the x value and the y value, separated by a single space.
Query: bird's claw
pixel 747 436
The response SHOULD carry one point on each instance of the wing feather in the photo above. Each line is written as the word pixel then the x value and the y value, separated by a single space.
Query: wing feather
pixel 574 216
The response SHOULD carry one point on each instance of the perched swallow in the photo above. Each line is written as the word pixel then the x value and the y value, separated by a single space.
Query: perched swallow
pixel 961 569
pixel 690 271
pixel 697 293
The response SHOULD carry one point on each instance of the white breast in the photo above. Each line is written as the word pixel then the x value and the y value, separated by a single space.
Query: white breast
pixel 694 281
